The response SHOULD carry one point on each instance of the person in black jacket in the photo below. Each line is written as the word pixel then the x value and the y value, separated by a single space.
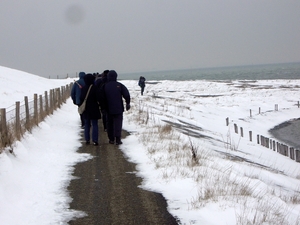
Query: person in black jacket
pixel 100 82
pixel 142 84
pixel 91 113
pixel 112 95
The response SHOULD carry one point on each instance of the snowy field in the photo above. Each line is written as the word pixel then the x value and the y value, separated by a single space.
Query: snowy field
pixel 180 143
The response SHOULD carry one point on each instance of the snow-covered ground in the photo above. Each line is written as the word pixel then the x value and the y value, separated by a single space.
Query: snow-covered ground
pixel 180 143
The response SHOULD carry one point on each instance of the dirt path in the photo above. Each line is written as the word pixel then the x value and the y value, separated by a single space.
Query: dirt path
pixel 107 190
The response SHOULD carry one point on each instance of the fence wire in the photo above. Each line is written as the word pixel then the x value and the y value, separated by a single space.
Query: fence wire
pixel 23 116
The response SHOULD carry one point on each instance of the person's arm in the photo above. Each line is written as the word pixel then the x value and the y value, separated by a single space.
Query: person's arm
pixel 101 98
pixel 126 96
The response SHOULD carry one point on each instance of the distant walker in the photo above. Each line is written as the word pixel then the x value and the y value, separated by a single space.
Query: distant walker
pixel 142 84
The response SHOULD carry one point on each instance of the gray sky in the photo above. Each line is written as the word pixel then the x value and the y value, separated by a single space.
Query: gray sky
pixel 56 37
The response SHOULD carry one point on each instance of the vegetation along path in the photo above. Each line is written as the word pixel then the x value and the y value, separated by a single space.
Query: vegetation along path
pixel 107 190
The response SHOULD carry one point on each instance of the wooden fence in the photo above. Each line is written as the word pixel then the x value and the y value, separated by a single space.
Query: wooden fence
pixel 269 143
pixel 23 117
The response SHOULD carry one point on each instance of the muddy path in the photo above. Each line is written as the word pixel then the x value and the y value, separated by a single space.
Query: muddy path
pixel 107 190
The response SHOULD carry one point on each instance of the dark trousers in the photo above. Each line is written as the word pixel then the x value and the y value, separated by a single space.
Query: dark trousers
pixel 114 126
pixel 142 90
pixel 87 130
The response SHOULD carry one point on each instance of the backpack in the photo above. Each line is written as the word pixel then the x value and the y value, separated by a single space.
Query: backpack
pixel 142 81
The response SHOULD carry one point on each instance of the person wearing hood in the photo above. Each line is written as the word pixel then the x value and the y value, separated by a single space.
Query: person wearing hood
pixel 91 113
pixel 142 84
pixel 112 95
pixel 101 79
pixel 76 92
pixel 100 82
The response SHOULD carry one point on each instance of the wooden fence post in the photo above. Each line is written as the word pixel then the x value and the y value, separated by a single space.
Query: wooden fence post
pixel 51 101
pixel 56 99
pixel 64 94
pixel 250 113
pixel 3 128
pixel 27 123
pixel 236 129
pixel 258 139
pixel 41 117
pixel 18 123
pixel 35 114
pixel 250 135
pixel 297 155
pixel 242 132
pixel 46 103
pixel 262 142
pixel 286 151
pixel 267 142
pixel 271 144
pixel 227 121
pixel 59 93
pixel 280 148
pixel 292 153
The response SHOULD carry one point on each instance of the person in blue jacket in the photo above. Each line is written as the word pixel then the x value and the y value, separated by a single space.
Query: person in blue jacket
pixel 112 95
pixel 91 113
pixel 76 92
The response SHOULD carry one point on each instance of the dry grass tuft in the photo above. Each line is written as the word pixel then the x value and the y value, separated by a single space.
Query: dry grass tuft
pixel 165 129
pixel 7 139
pixel 262 212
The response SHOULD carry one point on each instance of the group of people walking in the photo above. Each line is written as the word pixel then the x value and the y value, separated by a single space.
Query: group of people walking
pixel 103 96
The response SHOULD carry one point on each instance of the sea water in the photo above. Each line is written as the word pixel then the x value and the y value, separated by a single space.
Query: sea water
pixel 253 72
pixel 288 133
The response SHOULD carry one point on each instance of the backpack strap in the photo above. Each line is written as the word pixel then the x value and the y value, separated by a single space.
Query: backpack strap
pixel 78 85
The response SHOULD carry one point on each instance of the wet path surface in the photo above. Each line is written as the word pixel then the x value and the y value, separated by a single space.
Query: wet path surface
pixel 107 190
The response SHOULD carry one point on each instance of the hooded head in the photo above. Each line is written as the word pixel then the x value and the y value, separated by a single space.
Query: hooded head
pixel 89 79
pixel 105 72
pixel 81 75
pixel 112 75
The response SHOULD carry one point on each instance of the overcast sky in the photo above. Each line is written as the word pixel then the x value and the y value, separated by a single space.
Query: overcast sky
pixel 55 37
